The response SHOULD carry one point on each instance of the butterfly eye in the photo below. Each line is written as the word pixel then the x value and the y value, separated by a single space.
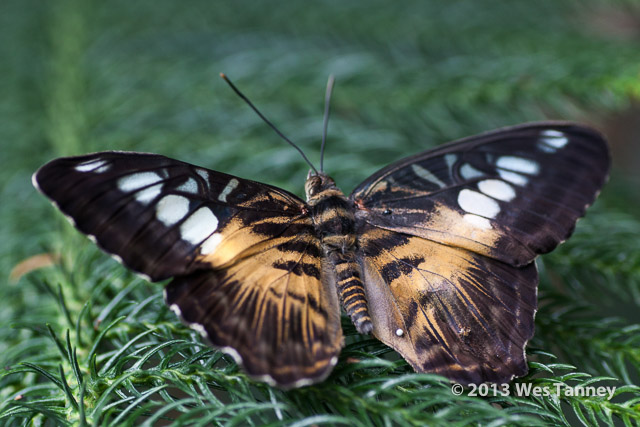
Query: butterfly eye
pixel 313 185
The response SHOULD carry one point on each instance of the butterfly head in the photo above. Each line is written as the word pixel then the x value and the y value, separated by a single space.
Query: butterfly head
pixel 317 184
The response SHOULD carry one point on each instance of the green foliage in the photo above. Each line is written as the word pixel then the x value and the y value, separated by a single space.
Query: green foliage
pixel 86 342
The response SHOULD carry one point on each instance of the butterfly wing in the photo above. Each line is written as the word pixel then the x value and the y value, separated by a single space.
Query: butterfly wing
pixel 447 310
pixel 447 239
pixel 246 264
pixel 270 311
pixel 508 194
pixel 163 217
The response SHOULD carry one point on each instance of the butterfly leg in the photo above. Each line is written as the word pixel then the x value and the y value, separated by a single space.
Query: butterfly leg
pixel 351 290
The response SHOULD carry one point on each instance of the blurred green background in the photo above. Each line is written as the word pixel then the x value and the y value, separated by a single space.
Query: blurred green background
pixel 84 75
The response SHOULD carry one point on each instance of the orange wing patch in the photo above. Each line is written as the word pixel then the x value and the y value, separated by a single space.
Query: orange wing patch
pixel 443 225
pixel 239 239
pixel 447 310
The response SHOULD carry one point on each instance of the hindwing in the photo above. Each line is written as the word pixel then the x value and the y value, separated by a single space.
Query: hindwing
pixel 447 310
pixel 271 311
pixel 509 194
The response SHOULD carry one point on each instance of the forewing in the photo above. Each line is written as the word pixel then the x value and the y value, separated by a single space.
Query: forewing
pixel 270 311
pixel 447 310
pixel 509 194
pixel 163 217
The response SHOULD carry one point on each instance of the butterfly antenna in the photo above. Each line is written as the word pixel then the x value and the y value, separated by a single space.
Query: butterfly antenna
pixel 325 118
pixel 253 107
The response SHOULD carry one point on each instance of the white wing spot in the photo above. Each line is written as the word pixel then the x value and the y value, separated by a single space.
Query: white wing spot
pixel 171 209
pixel 478 221
pixel 137 181
pixel 199 225
pixel 71 220
pixel 204 174
pixel 518 164
pixel 233 183
pixel 551 140
pixel 477 203
pixel 34 181
pixel 233 353
pixel 199 328
pixel 190 186
pixel 399 332
pixel 514 178
pixel 497 189
pixel 450 159
pixel 210 245
pixel 427 175
pixel 96 165
pixel 147 195
pixel 469 172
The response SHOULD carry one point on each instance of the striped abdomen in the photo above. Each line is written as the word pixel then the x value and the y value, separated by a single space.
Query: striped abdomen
pixel 351 290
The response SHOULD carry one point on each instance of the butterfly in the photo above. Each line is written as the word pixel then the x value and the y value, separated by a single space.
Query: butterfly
pixel 433 254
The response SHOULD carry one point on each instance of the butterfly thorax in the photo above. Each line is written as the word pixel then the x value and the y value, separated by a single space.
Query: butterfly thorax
pixel 334 221
pixel 331 213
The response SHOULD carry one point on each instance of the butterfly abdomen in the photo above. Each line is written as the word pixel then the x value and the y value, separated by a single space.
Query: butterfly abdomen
pixel 351 290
